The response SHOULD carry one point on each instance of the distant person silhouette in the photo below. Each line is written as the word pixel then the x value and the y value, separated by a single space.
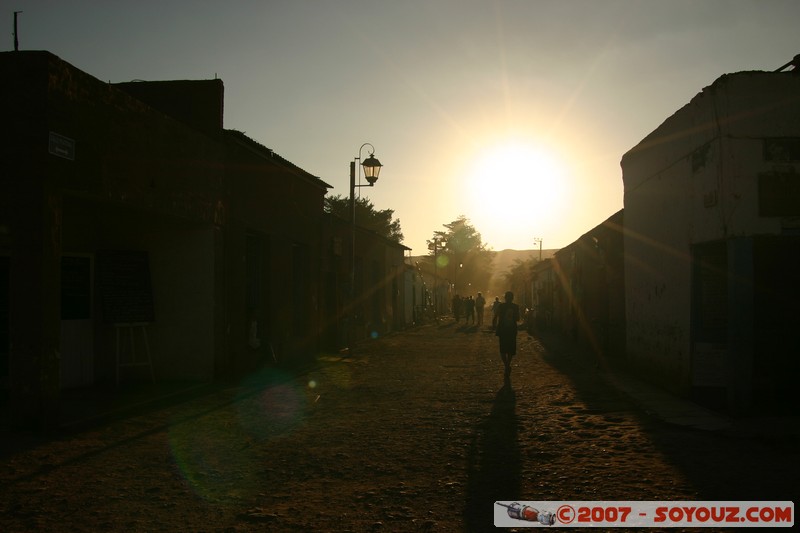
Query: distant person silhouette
pixel 480 303
pixel 457 307
pixel 469 305
pixel 494 311
pixel 507 319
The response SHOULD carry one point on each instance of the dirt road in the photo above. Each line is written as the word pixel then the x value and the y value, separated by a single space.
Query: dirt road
pixel 416 432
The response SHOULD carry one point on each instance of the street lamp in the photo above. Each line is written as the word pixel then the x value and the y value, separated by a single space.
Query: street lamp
pixel 372 168
pixel 434 245
pixel 455 281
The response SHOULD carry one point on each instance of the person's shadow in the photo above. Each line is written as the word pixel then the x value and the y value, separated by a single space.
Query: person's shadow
pixel 494 462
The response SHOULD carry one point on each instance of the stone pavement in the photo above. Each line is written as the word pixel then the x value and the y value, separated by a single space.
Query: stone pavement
pixel 667 406
pixel 672 409
pixel 84 408
pixel 417 431
pixel 651 399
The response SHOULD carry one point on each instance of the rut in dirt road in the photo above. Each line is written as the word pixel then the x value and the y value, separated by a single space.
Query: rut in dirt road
pixel 416 432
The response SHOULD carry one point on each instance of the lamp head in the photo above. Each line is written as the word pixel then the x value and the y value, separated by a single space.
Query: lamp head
pixel 372 167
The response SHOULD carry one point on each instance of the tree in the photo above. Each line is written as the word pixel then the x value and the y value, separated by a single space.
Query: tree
pixel 379 221
pixel 462 257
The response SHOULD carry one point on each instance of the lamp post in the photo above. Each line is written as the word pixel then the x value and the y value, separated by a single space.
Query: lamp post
pixel 372 168
pixel 536 240
pixel 434 245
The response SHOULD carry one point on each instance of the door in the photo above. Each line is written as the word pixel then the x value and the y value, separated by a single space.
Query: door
pixel 5 344
pixel 776 364
pixel 77 327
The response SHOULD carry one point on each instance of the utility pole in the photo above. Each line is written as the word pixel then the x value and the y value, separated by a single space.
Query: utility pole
pixel 539 240
pixel 16 40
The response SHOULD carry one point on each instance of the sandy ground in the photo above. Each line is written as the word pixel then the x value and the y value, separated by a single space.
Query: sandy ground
pixel 416 432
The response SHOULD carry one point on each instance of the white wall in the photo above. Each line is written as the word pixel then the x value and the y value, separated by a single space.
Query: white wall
pixel 659 194
pixel 694 180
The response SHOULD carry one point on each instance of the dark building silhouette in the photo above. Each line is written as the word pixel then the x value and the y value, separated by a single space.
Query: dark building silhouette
pixel 712 200
pixel 131 204
pixel 692 285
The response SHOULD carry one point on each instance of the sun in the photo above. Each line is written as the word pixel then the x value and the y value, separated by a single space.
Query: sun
pixel 511 188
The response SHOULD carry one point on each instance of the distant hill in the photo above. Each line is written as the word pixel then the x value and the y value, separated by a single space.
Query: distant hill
pixel 504 260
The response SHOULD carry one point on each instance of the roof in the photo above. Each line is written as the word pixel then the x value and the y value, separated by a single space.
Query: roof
pixel 270 155
pixel 656 137
pixel 334 219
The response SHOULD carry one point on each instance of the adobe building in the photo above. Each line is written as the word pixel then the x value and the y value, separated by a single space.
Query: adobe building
pixel 543 289
pixel 712 244
pixel 378 303
pixel 127 209
pixel 580 292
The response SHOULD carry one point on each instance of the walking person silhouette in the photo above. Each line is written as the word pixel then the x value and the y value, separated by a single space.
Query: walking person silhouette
pixel 506 330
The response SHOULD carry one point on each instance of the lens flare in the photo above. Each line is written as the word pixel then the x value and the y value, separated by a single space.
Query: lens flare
pixel 212 448
pixel 274 405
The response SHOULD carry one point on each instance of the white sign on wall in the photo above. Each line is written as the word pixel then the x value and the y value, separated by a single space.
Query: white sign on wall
pixel 61 146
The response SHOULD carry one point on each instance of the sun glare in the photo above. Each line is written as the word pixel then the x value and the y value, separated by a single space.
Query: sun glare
pixel 511 188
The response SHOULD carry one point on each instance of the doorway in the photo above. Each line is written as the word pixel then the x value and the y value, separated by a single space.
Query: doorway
pixel 5 339
pixel 77 320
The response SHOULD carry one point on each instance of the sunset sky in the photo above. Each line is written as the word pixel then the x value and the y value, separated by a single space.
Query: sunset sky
pixel 513 113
